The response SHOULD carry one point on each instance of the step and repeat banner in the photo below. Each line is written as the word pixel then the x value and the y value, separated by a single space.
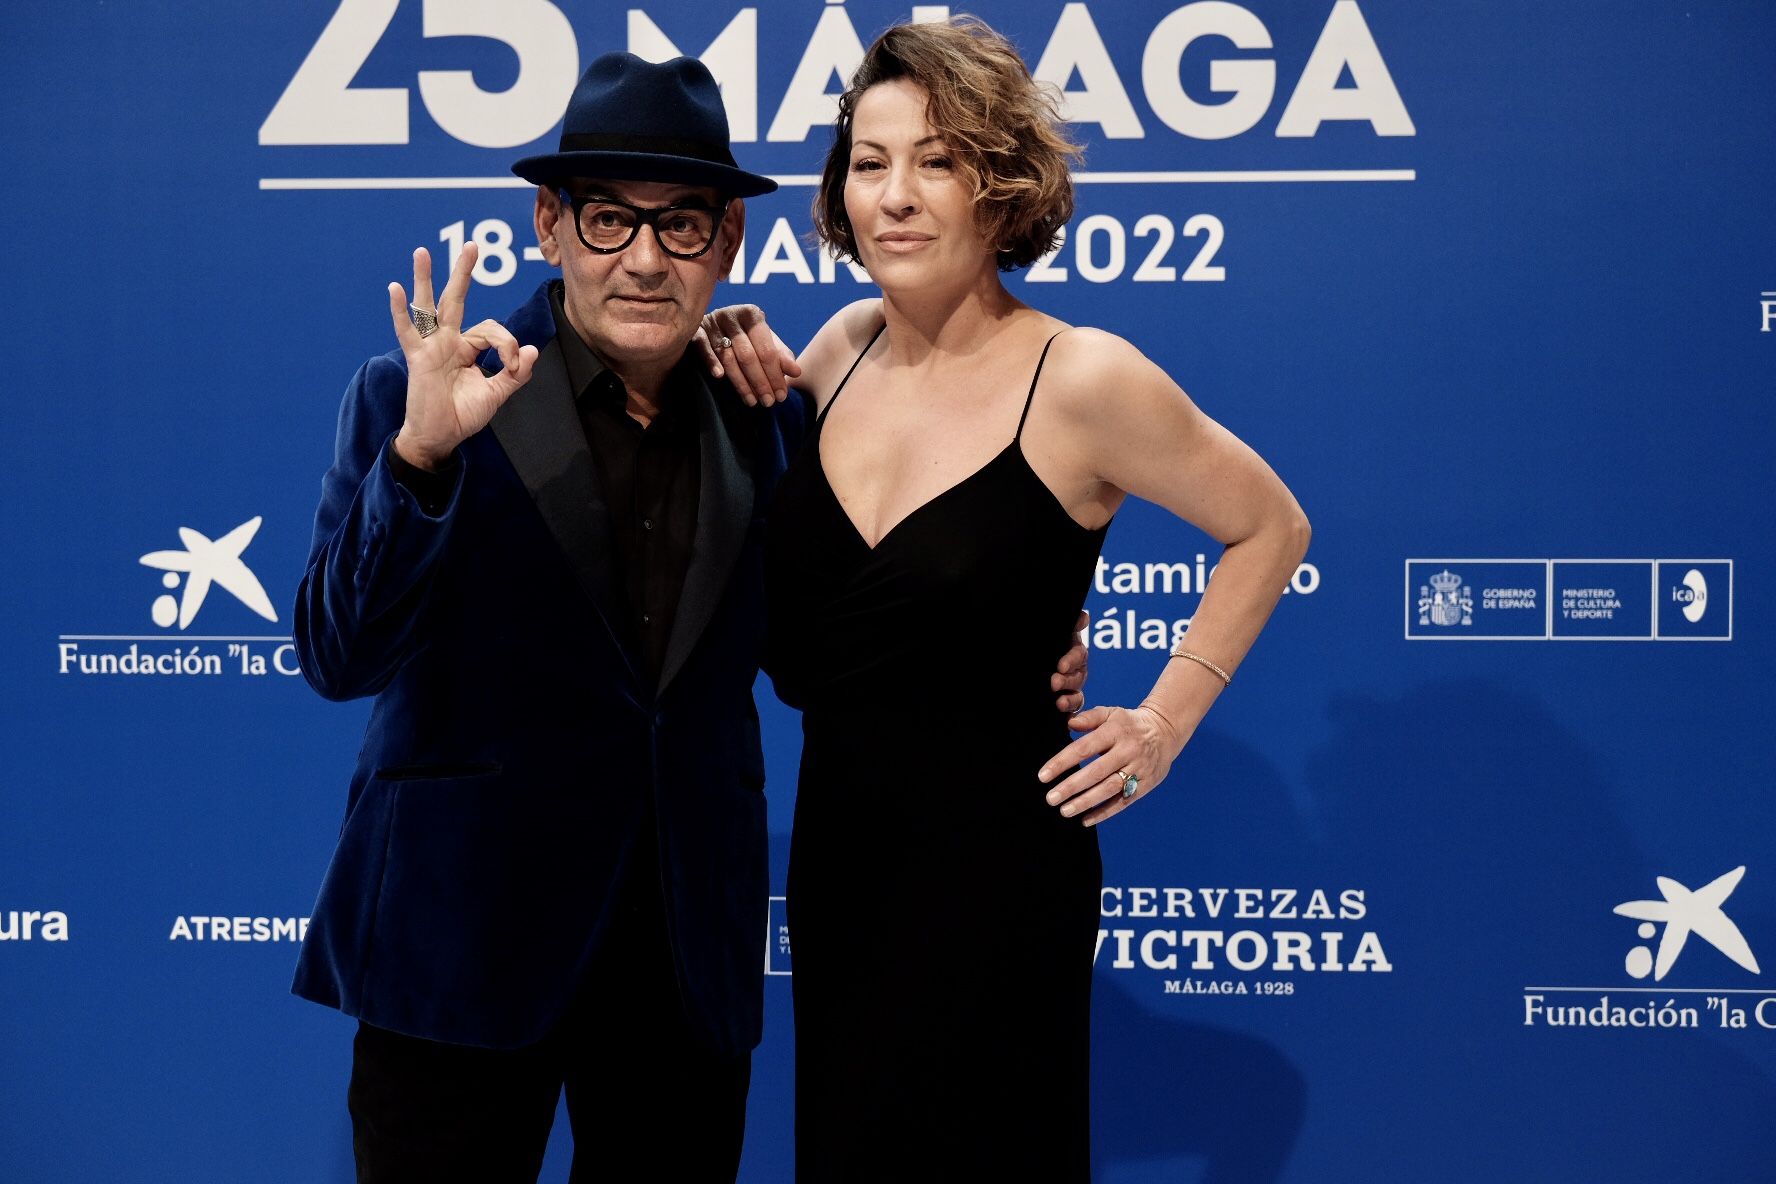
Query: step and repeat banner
pixel 1471 876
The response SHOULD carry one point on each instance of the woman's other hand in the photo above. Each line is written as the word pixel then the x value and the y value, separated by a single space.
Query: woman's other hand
pixel 738 345
pixel 1068 680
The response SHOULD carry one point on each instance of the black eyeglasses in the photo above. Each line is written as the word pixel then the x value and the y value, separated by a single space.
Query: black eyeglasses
pixel 608 226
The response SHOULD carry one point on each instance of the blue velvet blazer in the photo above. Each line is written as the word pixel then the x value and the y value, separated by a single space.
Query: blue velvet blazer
pixel 514 739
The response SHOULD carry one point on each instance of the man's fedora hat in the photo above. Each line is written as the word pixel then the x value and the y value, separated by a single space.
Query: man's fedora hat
pixel 633 120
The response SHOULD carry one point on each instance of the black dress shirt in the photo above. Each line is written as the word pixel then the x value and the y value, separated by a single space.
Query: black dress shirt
pixel 650 476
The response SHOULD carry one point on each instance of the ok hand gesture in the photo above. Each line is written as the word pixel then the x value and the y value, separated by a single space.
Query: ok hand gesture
pixel 449 399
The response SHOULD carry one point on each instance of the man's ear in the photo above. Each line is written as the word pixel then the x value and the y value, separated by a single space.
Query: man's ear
pixel 549 211
pixel 733 230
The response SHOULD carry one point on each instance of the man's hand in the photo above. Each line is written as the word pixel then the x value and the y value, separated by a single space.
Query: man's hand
pixel 448 398
pixel 1068 680
pixel 756 364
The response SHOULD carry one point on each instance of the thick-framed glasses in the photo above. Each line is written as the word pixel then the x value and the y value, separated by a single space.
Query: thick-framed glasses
pixel 608 226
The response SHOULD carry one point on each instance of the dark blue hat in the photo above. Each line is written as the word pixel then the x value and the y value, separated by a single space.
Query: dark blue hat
pixel 633 120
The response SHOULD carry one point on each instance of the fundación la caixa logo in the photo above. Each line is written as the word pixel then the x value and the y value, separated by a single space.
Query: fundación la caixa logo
pixel 1683 912
pixel 1680 919
pixel 205 564
pixel 199 574
pixel 1569 599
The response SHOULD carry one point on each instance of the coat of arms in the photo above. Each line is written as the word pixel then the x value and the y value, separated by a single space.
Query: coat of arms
pixel 1445 601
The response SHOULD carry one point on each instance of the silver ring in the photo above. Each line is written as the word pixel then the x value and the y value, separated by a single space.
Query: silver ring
pixel 724 343
pixel 424 319
pixel 1131 784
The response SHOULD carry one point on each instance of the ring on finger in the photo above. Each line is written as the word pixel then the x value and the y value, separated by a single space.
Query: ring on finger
pixel 1131 784
pixel 424 319
pixel 724 342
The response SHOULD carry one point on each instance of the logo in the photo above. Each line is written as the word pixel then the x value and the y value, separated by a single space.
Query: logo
pixel 1684 912
pixel 1344 78
pixel 1603 599
pixel 207 563
pixel 1115 627
pixel 1569 599
pixel 1693 596
pixel 1457 599
pixel 1445 601
pixel 1236 941
pixel 1694 599
pixel 246 929
pixel 777 960
pixel 33 926
pixel 190 576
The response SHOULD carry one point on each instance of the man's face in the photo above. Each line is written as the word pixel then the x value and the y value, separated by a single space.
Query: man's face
pixel 639 305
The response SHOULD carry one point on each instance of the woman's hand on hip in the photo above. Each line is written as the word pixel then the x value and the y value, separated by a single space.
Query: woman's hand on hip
pixel 1120 745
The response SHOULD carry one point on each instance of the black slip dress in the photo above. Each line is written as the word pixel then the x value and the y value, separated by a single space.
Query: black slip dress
pixel 942 915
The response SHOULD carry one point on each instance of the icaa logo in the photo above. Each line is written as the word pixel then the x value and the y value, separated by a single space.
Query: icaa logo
pixel 1693 596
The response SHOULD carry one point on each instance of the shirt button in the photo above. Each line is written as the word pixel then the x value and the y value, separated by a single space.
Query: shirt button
pixel 646 620
pixel 647 523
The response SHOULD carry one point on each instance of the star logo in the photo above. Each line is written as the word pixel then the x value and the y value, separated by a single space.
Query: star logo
pixel 207 563
pixel 1684 912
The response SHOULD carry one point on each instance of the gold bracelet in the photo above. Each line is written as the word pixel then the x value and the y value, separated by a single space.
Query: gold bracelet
pixel 1179 651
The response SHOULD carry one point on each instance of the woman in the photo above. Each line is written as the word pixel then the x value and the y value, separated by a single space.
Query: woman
pixel 949 506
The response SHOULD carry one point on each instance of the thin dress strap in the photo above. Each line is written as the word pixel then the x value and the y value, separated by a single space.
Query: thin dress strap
pixel 821 418
pixel 1031 397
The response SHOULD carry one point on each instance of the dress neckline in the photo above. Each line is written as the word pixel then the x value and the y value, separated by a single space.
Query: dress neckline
pixel 1015 444
pixel 1012 448
pixel 872 548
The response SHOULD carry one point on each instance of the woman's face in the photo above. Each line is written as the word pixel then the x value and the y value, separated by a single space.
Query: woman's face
pixel 911 207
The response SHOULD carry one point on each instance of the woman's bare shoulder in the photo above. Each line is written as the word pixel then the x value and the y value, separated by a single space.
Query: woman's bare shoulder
pixel 837 344
pixel 1087 365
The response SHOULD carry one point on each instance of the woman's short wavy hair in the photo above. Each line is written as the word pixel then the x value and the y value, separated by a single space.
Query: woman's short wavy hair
pixel 1001 126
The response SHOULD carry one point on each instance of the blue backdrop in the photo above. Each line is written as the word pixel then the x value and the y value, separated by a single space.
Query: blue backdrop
pixel 1449 885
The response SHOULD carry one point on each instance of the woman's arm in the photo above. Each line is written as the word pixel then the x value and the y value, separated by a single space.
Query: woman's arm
pixel 1130 429
pixel 756 363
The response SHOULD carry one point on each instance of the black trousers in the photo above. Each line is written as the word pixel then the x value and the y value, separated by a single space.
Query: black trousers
pixel 646 1099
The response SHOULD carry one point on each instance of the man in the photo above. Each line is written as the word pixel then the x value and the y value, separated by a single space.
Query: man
pixel 552 870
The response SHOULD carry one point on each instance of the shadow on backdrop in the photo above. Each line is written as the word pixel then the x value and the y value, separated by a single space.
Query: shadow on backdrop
pixel 1188 1099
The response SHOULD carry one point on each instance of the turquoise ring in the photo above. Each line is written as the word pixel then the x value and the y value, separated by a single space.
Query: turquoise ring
pixel 1131 784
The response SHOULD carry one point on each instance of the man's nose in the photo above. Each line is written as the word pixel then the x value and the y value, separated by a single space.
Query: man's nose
pixel 643 256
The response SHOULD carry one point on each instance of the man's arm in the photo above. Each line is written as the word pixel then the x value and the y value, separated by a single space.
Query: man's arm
pixel 359 604
pixel 389 499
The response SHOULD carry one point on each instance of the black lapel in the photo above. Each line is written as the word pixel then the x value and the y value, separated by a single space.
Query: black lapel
pixel 541 433
pixel 724 509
